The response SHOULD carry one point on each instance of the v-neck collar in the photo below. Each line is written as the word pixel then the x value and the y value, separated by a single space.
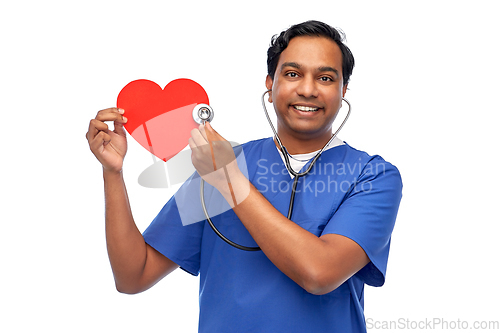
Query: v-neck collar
pixel 305 159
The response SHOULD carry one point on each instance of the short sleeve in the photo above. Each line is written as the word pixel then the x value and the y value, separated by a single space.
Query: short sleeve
pixel 177 231
pixel 367 216
pixel 180 243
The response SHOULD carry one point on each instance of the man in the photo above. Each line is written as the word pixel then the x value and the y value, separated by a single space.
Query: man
pixel 310 274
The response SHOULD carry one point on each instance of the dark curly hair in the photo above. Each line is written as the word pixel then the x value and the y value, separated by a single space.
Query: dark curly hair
pixel 309 28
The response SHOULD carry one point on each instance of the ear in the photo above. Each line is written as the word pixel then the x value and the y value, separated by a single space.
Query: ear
pixel 269 86
pixel 344 90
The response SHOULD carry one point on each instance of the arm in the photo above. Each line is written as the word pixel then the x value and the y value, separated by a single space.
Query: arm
pixel 318 264
pixel 136 266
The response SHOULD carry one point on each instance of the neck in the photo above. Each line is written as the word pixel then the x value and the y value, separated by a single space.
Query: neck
pixel 297 145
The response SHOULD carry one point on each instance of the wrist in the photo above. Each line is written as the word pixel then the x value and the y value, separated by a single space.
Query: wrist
pixel 236 186
pixel 112 173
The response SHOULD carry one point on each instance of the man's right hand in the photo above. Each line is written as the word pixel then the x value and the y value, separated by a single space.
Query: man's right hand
pixel 108 146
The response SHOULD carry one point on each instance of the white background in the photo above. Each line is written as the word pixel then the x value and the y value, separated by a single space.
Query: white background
pixel 425 97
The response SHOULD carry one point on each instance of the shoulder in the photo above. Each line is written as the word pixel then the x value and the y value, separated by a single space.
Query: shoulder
pixel 378 180
pixel 255 149
pixel 256 144
pixel 357 167
pixel 374 165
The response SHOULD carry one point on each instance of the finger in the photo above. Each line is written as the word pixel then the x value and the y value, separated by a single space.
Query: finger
pixel 111 110
pixel 198 138
pixel 201 147
pixel 100 140
pixel 95 126
pixel 191 144
pixel 111 114
pixel 202 129
pixel 119 127
pixel 211 133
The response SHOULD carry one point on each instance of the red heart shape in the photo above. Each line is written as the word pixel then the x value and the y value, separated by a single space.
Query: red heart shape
pixel 161 120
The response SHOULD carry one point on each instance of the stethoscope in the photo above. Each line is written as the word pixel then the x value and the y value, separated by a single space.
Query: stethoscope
pixel 203 113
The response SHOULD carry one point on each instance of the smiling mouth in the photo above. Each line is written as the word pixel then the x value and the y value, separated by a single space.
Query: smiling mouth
pixel 305 108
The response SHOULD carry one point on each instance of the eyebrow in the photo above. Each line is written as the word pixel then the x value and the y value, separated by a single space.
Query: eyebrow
pixel 290 64
pixel 321 69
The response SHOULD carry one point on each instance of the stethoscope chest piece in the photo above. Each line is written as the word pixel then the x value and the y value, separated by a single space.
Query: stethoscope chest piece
pixel 202 113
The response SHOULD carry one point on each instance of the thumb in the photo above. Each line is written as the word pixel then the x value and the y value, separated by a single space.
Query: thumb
pixel 119 127
pixel 211 133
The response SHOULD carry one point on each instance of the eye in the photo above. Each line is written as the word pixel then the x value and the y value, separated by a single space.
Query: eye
pixel 326 79
pixel 292 74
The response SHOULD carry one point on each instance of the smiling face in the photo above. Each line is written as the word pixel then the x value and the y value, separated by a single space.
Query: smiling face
pixel 307 91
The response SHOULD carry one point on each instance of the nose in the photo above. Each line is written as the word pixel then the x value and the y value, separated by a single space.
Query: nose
pixel 307 87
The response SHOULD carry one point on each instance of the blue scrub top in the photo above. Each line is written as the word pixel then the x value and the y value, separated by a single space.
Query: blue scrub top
pixel 348 192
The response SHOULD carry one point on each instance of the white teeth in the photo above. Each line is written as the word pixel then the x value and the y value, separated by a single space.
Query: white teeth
pixel 305 108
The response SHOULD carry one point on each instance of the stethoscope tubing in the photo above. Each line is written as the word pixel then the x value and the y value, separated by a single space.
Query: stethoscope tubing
pixel 296 175
pixel 214 228
pixel 282 147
